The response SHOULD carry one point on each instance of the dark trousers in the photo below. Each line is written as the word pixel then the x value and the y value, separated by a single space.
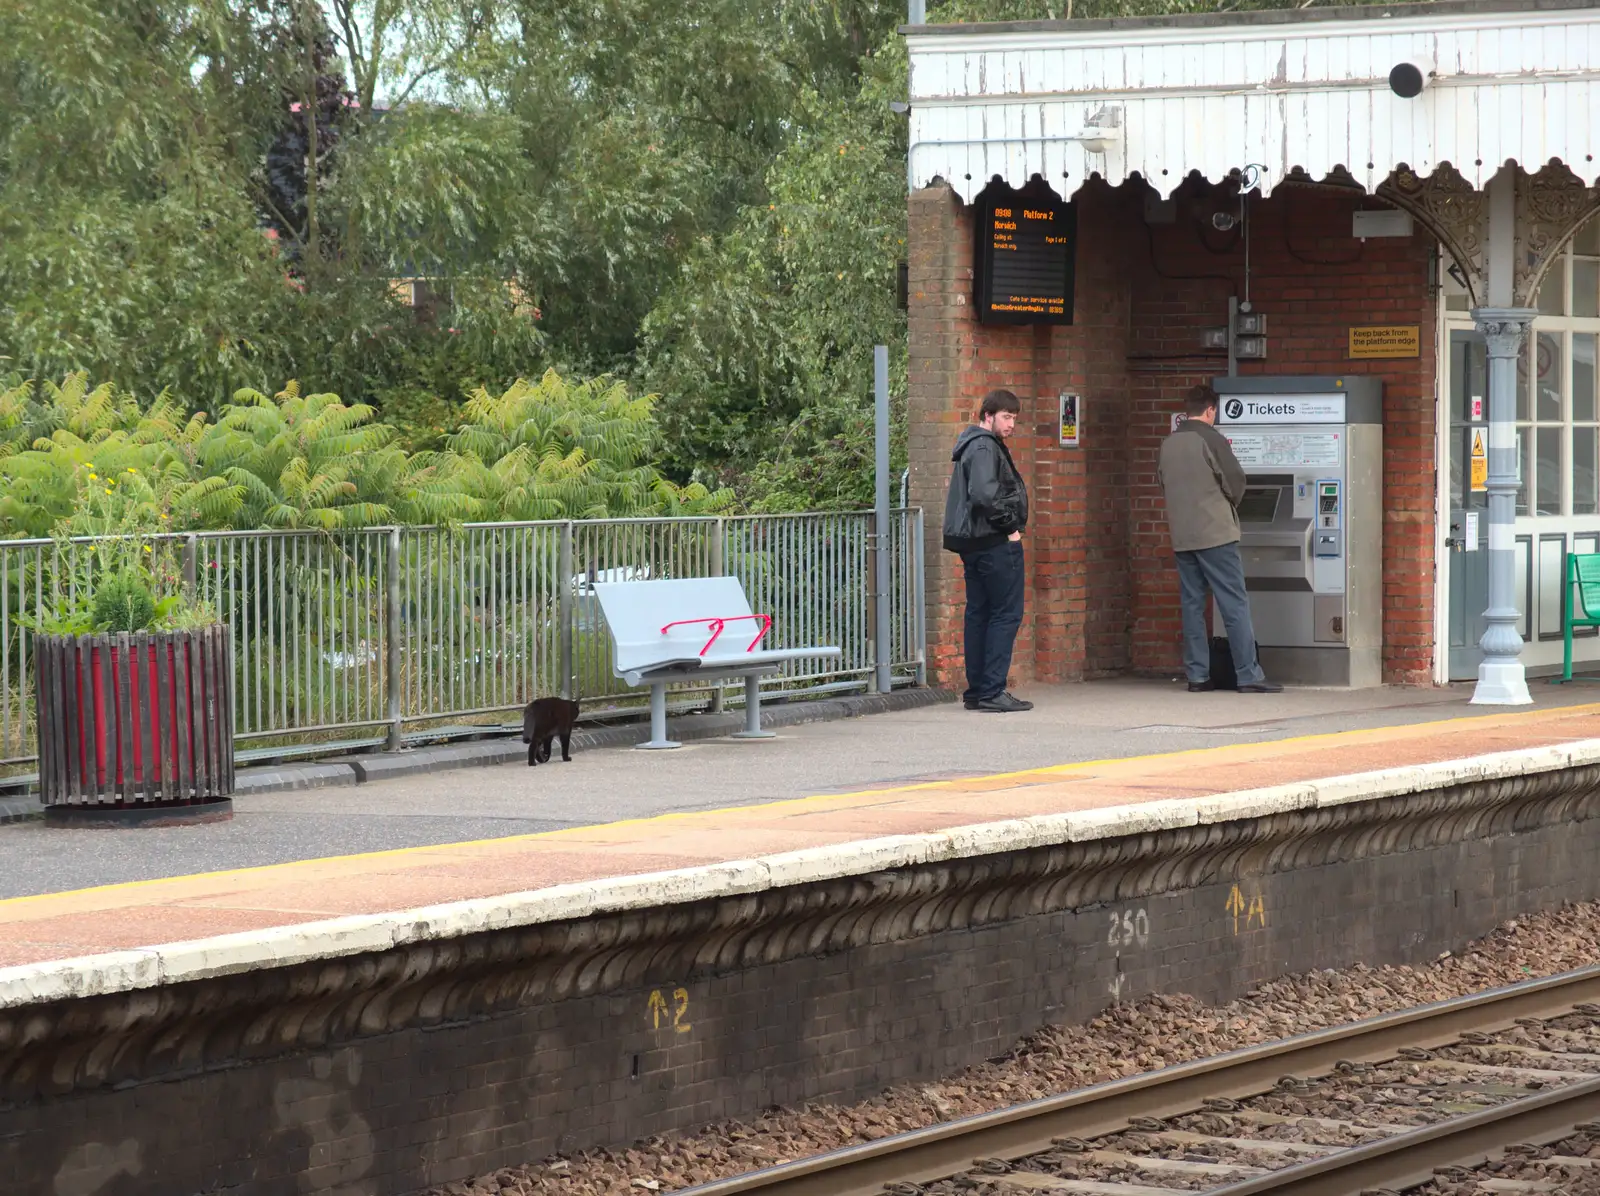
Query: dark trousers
pixel 994 612
pixel 1220 571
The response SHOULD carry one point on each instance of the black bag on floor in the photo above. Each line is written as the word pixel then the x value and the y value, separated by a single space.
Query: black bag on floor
pixel 1222 674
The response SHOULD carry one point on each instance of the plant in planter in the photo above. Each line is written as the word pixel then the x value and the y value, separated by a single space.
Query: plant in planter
pixel 133 674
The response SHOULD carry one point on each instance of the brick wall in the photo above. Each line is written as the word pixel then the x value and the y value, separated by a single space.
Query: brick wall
pixel 690 1029
pixel 1102 594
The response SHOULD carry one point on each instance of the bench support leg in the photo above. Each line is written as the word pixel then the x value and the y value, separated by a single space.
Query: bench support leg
pixel 658 720
pixel 752 711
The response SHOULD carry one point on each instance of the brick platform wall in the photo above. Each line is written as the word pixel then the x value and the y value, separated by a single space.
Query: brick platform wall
pixel 1102 593
pixel 673 1044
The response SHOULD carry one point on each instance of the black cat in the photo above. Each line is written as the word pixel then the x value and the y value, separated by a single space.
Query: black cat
pixel 542 721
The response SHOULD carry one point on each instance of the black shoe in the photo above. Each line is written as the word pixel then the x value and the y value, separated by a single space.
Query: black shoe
pixel 1004 704
pixel 969 703
pixel 1264 687
pixel 1202 687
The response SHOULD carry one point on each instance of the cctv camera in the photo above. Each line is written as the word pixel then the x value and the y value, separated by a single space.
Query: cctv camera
pixel 1407 79
pixel 1223 221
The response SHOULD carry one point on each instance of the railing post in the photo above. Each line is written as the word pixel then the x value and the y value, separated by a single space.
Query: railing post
pixel 565 580
pixel 920 598
pixel 191 553
pixel 719 567
pixel 882 650
pixel 391 632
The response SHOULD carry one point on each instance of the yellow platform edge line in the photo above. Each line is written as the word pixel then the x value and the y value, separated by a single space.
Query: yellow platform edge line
pixel 791 802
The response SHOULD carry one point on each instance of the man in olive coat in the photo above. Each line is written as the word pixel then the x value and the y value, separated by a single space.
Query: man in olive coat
pixel 1204 484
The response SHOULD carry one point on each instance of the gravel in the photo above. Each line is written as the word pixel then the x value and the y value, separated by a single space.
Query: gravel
pixel 1160 1030
pixel 1556 1168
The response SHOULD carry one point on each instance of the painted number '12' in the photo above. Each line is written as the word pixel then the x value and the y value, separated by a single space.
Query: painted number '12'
pixel 678 1008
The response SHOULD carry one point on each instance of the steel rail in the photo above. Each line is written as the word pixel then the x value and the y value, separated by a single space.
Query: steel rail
pixel 938 1151
pixel 1408 1159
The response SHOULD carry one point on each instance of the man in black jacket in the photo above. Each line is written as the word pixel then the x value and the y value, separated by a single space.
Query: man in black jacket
pixel 984 514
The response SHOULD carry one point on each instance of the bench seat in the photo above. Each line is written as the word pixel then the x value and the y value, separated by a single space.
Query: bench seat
pixel 686 629
pixel 1582 605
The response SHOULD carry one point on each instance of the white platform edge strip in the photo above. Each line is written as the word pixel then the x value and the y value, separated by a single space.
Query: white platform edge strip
pixel 222 955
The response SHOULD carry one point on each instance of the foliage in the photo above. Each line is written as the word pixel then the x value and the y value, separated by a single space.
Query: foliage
pixel 704 198
pixel 558 451
pixel 116 564
pixel 763 349
pixel 82 461
pixel 122 602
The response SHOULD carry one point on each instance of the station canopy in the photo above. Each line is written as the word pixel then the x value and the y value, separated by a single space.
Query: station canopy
pixel 1272 95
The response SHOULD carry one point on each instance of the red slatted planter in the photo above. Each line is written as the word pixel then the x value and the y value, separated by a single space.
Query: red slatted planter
pixel 135 729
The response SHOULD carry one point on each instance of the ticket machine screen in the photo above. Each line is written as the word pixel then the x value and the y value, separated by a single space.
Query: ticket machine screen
pixel 1259 504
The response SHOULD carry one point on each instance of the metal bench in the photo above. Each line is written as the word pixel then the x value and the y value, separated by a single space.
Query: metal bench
pixel 1582 607
pixel 690 630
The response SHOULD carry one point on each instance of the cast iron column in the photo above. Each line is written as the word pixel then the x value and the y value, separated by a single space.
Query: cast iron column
pixel 1501 679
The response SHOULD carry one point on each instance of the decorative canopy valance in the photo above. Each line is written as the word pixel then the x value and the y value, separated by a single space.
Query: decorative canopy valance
pixel 1315 91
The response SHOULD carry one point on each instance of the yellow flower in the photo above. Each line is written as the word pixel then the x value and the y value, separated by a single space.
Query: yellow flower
pixel 92 476
pixel 147 548
pixel 108 489
pixel 131 469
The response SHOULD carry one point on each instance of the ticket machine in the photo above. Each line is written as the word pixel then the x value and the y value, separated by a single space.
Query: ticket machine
pixel 1311 522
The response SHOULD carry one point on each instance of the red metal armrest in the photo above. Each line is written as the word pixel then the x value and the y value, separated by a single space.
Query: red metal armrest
pixel 718 623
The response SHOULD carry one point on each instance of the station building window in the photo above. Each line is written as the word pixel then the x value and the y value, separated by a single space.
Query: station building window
pixel 1558 450
pixel 1558 405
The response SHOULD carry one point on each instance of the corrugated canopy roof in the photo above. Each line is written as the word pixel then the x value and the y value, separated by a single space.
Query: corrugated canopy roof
pixel 1282 91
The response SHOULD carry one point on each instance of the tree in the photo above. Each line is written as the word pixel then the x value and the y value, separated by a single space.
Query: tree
pixel 763 348
pixel 704 199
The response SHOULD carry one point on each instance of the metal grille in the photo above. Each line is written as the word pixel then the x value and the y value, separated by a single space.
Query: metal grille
pixel 373 634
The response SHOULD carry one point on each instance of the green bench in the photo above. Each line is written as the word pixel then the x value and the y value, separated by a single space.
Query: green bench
pixel 1582 607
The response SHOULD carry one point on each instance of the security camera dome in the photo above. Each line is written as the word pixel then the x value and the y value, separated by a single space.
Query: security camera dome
pixel 1407 79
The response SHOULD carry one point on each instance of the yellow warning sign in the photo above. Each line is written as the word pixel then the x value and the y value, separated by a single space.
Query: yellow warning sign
pixel 1480 463
pixel 1385 340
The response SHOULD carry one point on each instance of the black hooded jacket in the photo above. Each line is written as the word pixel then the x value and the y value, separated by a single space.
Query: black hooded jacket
pixel 987 500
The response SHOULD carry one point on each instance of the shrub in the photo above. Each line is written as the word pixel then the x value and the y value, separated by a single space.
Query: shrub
pixel 554 449
pixel 122 602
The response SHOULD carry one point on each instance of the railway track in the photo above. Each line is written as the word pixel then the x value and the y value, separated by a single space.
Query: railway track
pixel 1422 1096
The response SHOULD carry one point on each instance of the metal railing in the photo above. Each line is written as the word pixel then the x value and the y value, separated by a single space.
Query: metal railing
pixel 386 630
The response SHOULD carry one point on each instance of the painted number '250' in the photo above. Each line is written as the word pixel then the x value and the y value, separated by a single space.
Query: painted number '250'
pixel 1129 926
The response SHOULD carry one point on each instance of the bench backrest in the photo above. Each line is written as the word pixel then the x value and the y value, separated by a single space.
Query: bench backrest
pixel 636 611
pixel 1585 570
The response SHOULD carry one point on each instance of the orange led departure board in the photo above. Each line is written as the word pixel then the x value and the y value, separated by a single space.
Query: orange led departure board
pixel 1025 256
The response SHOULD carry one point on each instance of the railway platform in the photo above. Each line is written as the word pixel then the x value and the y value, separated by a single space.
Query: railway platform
pixel 810 918
pixel 1269 748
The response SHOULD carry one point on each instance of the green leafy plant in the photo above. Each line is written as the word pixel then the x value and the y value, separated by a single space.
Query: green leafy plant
pixel 123 602
pixel 82 461
pixel 115 565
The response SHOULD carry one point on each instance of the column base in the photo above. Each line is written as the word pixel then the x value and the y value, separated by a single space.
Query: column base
pixel 1502 683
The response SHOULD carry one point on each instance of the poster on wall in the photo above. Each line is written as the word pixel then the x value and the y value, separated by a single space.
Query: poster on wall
pixel 1070 414
pixel 1480 462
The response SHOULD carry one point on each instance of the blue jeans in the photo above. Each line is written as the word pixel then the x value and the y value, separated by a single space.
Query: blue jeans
pixel 994 612
pixel 1219 570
